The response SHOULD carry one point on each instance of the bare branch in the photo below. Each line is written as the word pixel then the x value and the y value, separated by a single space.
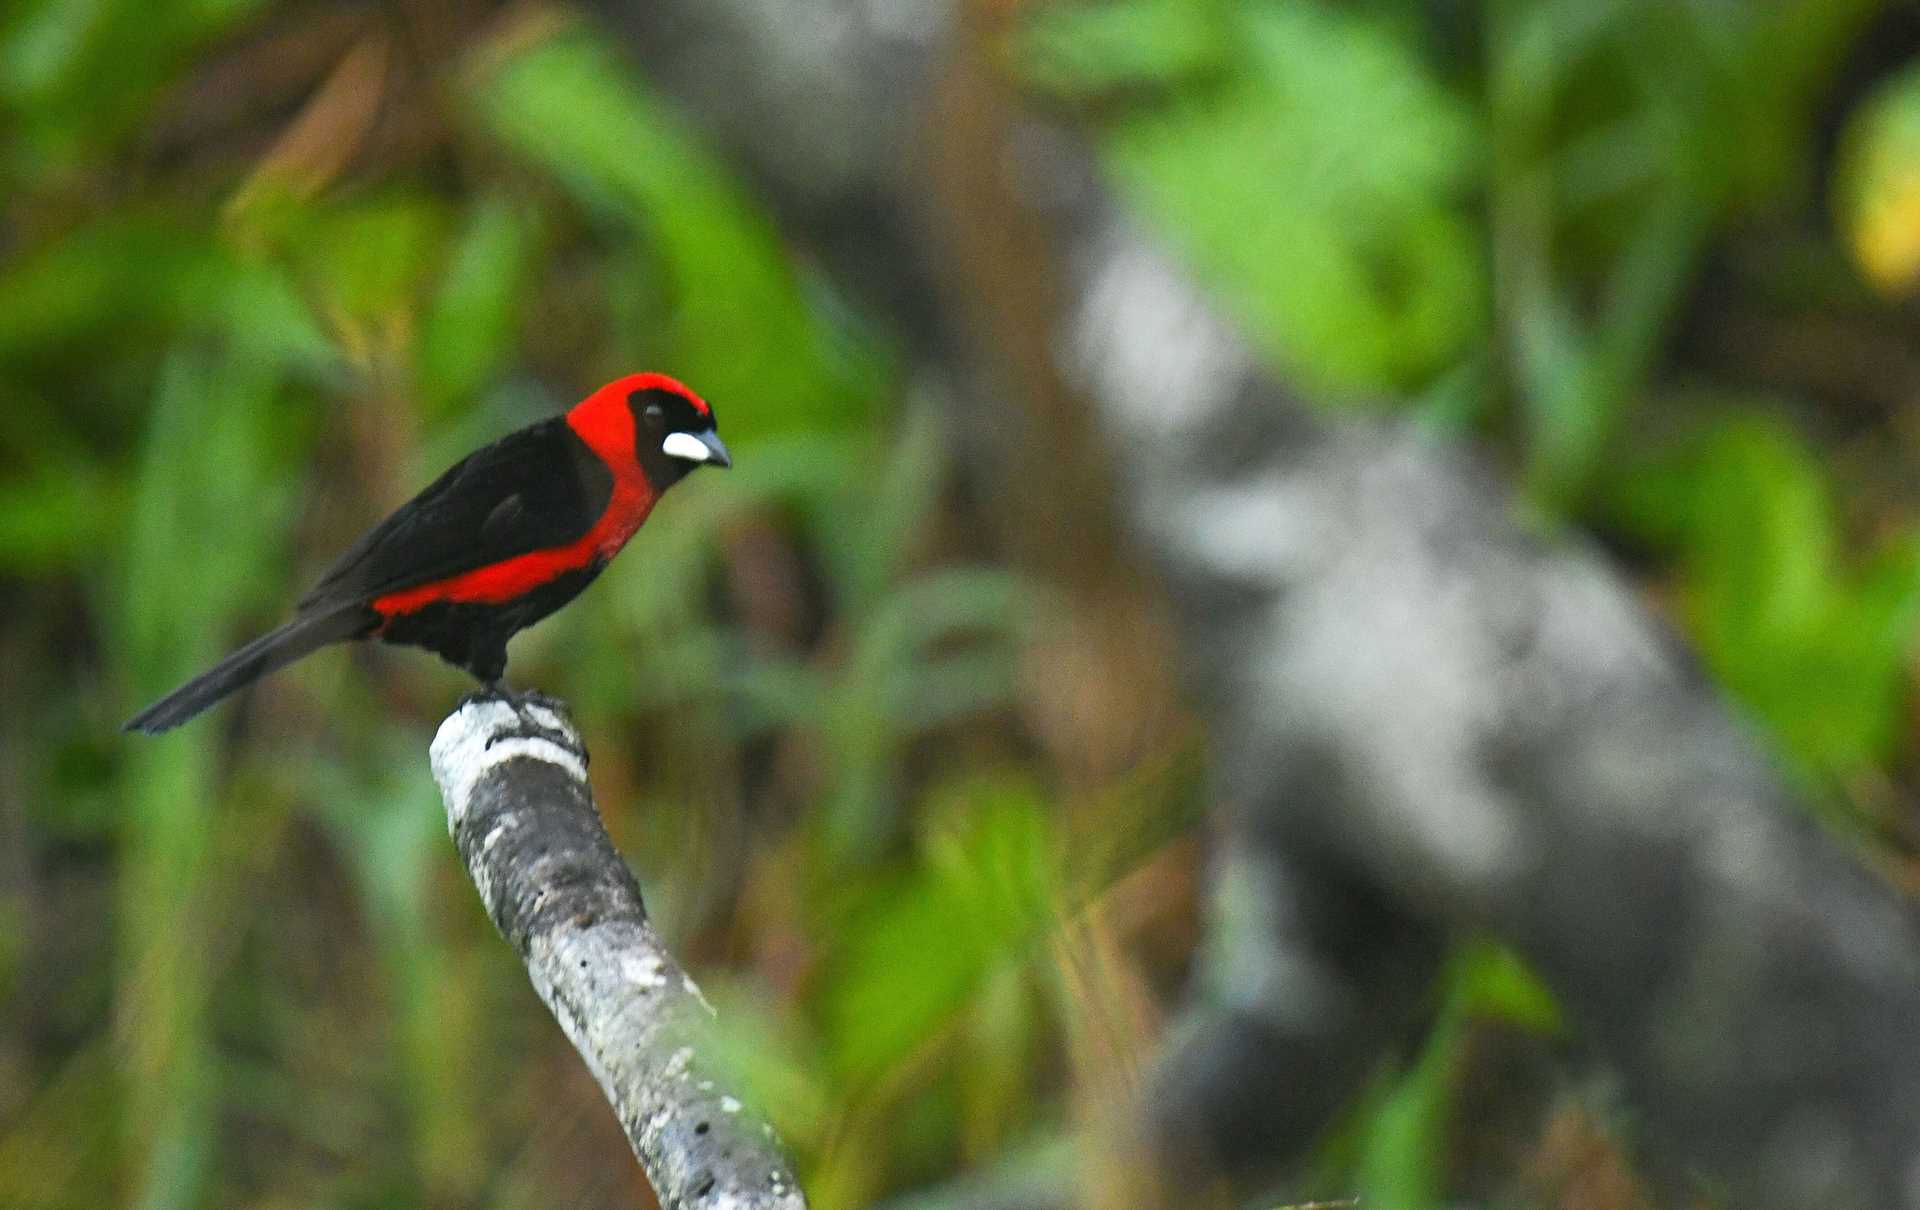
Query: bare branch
pixel 514 779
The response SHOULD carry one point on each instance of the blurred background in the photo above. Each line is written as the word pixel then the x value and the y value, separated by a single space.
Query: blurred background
pixel 927 814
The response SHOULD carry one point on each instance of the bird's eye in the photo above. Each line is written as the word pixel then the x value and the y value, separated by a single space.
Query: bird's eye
pixel 655 411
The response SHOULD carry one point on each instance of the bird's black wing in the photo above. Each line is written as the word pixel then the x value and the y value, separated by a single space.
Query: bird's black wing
pixel 530 490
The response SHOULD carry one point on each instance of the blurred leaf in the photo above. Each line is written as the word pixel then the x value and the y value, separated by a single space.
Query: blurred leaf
pixel 467 334
pixel 1651 498
pixel 1319 189
pixel 393 834
pixel 918 951
pixel 892 686
pixel 931 692
pixel 1818 653
pixel 209 498
pixel 871 556
pixel 110 273
pixel 127 285
pixel 773 692
pixel 739 327
pixel 364 262
pixel 1877 186
pixel 1403 1160
pixel 214 452
pixel 770 1056
pixel 13 938
pixel 1588 379
pixel 1494 983
pixel 1090 49
pixel 1620 132
pixel 324 137
pixel 75 73
pixel 59 517
pixel 144 278
pixel 930 608
pixel 1761 538
pixel 1002 1033
pixel 60 1152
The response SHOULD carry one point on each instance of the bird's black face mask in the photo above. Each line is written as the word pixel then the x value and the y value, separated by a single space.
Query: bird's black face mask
pixel 673 435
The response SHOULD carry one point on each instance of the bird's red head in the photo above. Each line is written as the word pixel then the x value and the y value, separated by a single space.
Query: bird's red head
pixel 654 421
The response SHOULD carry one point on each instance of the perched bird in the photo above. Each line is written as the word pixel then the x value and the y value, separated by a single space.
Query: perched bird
pixel 508 535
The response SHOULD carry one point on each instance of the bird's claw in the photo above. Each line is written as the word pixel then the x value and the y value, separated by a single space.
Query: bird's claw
pixel 527 707
pixel 533 697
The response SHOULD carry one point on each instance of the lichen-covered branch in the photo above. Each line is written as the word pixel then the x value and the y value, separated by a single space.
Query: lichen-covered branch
pixel 514 779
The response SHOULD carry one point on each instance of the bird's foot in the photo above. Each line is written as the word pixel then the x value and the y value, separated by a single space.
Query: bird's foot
pixel 540 716
pixel 524 699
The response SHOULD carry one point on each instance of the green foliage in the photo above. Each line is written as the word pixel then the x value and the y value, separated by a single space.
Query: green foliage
pixel 468 330
pixel 921 1033
pixel 1320 184
pixel 815 697
pixel 983 884
pixel 1399 1159
pixel 207 497
pixel 1620 133
pixel 395 835
pixel 737 318
pixel 1817 649
pixel 78 74
pixel 357 262
pixel 1097 50
pixel 124 283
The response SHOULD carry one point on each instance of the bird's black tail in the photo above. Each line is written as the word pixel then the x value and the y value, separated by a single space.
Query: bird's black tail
pixel 275 649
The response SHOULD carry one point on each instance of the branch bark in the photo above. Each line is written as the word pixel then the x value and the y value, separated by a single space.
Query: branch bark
pixel 514 779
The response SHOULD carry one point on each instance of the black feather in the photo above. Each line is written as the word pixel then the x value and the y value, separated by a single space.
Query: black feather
pixel 275 649
pixel 530 490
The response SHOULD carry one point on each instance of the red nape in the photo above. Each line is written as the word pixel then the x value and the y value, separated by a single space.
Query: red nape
pixel 605 422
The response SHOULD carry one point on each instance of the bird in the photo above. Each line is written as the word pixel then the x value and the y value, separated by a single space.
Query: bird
pixel 506 536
